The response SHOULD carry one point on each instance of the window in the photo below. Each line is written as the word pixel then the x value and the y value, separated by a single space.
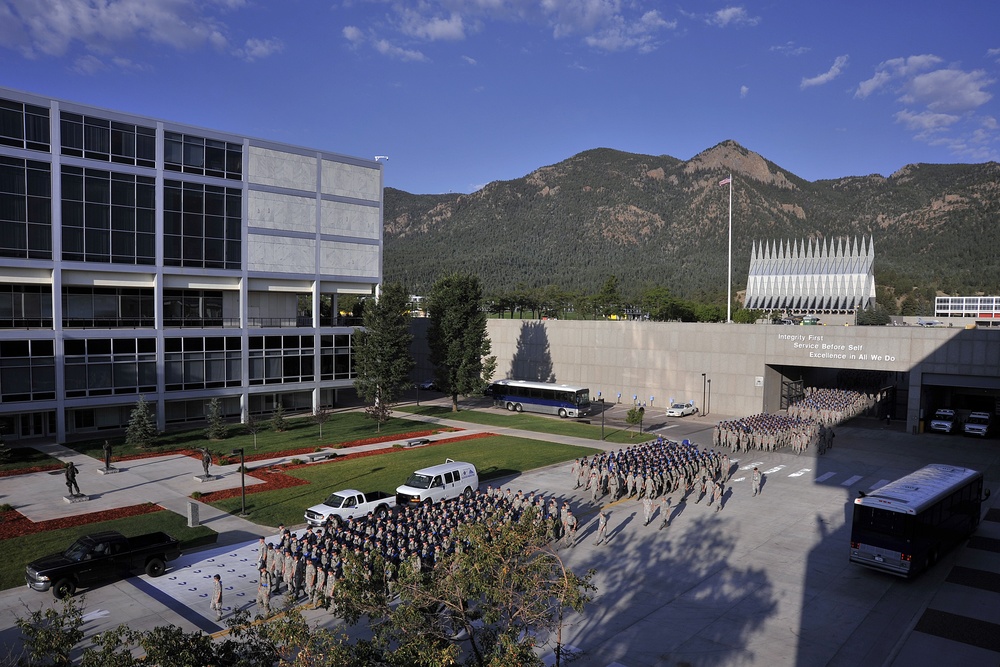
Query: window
pixel 108 217
pixel 197 155
pixel 25 306
pixel 336 361
pixel 27 370
pixel 281 359
pixel 24 125
pixel 25 209
pixel 106 366
pixel 202 226
pixel 110 141
pixel 202 363
pixel 193 308
pixel 107 307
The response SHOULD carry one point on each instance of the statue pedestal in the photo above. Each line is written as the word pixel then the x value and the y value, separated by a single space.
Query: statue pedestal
pixel 107 471
pixel 206 478
pixel 76 498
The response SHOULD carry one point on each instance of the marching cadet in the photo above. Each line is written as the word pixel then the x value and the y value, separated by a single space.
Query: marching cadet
pixel 264 592
pixel 755 481
pixel 602 526
pixel 647 509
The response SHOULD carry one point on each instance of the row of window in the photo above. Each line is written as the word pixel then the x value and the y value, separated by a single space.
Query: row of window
pixel 202 225
pixel 26 126
pixel 109 366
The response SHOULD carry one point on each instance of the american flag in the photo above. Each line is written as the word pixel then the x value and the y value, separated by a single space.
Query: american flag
pixel 726 181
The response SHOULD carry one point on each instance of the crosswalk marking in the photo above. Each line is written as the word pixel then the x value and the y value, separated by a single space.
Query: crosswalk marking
pixel 879 484
pixel 751 465
pixel 851 480
pixel 801 472
pixel 775 469
pixel 825 476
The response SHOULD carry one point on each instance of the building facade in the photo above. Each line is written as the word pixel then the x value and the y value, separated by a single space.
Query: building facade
pixel 144 257
pixel 985 310
pixel 812 276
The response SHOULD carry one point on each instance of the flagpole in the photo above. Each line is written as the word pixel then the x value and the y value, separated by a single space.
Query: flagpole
pixel 729 291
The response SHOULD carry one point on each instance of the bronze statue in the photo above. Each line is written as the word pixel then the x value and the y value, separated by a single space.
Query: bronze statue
pixel 71 484
pixel 206 459
pixel 107 455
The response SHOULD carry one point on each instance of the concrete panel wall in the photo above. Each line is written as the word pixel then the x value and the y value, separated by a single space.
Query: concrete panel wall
pixel 269 210
pixel 280 254
pixel 348 259
pixel 348 180
pixel 280 169
pixel 343 219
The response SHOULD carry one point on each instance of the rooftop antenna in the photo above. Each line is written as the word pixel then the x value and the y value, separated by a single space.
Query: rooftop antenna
pixel 381 157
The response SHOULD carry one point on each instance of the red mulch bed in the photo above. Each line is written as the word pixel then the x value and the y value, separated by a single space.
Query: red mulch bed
pixel 274 478
pixel 25 471
pixel 14 524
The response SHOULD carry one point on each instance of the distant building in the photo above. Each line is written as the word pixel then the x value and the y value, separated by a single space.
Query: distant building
pixel 140 256
pixel 812 276
pixel 984 309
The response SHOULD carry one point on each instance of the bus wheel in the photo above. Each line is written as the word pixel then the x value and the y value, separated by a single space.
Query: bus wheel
pixel 517 407
pixel 562 412
pixel 510 407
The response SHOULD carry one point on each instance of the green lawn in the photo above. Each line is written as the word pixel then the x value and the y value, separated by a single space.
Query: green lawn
pixel 496 456
pixel 19 551
pixel 535 423
pixel 26 457
pixel 301 432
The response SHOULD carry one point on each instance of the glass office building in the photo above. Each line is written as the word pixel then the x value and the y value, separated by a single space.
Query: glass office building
pixel 144 257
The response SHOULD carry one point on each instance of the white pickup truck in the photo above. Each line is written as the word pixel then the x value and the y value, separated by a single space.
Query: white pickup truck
pixel 349 503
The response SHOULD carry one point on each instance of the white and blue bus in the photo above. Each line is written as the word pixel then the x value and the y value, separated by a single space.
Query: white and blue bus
pixel 553 399
pixel 906 525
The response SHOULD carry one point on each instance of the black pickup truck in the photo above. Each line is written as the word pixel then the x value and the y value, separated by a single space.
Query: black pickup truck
pixel 100 557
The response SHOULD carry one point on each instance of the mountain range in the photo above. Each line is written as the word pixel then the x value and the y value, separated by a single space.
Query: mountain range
pixel 660 221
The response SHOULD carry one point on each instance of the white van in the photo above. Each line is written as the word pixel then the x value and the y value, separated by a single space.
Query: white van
pixel 436 483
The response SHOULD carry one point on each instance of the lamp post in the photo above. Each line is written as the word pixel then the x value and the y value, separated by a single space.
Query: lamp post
pixel 243 482
pixel 642 411
pixel 703 393
pixel 601 401
pixel 708 406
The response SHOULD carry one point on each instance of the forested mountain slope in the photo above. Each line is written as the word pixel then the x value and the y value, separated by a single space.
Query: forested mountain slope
pixel 656 220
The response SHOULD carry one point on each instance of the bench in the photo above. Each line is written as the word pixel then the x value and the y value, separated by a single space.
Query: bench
pixel 321 456
pixel 417 442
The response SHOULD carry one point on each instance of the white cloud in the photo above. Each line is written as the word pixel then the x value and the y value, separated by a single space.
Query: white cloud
pixel 948 90
pixel 826 77
pixel 353 34
pixel 993 53
pixel 940 104
pixel 255 49
pixel 433 28
pixel 736 16
pixel 621 35
pixel 386 48
pixel 896 68
pixel 88 65
pixel 744 91
pixel 54 28
pixel 470 60
pixel 789 49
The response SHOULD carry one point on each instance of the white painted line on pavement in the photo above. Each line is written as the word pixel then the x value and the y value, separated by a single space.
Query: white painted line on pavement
pixel 879 484
pixel 751 465
pixel 774 469
pixel 737 479
pixel 800 472
pixel 851 480
pixel 825 476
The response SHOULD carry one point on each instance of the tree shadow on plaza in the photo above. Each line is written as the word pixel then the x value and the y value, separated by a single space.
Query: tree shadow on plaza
pixel 673 596
pixel 532 359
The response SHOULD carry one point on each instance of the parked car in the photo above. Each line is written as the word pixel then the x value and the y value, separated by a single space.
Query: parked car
pixel 944 420
pixel 100 557
pixel 978 423
pixel 426 385
pixel 436 483
pixel 347 504
pixel 681 410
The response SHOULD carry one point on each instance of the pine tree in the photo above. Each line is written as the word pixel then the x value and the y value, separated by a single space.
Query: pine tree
pixel 217 429
pixel 460 346
pixel 141 431
pixel 278 422
pixel 382 352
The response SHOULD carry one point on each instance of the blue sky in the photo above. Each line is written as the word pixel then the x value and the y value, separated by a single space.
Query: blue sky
pixel 459 93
